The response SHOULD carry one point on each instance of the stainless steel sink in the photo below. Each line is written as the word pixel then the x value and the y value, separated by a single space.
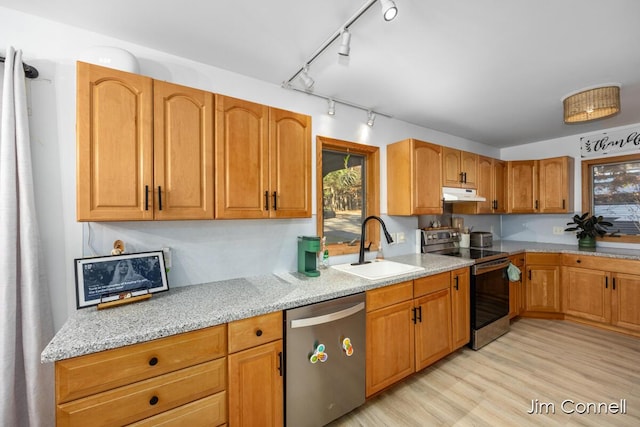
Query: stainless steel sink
pixel 379 269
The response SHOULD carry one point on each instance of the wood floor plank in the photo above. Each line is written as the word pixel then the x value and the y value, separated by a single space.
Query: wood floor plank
pixel 548 361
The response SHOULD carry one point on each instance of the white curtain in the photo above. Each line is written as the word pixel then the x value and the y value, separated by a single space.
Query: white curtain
pixel 26 323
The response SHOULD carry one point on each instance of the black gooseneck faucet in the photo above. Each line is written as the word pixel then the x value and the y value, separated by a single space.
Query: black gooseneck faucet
pixel 362 233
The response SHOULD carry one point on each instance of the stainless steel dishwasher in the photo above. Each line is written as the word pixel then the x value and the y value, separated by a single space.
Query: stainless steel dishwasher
pixel 324 360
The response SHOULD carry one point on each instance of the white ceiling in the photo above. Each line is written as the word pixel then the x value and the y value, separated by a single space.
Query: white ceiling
pixel 493 71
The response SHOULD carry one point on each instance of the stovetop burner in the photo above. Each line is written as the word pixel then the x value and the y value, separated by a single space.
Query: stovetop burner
pixel 472 253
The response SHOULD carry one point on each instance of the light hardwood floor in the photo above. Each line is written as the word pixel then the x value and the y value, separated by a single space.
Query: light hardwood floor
pixel 548 360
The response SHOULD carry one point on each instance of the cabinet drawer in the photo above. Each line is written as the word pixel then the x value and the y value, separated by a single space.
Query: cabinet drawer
pixel 534 258
pixel 146 398
pixel 93 373
pixel 429 284
pixel 255 331
pixel 615 265
pixel 210 411
pixel 517 259
pixel 389 295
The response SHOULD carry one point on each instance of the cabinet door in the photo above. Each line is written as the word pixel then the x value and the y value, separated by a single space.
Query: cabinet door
pixel 390 346
pixel 183 152
pixel 433 328
pixel 242 149
pixel 554 185
pixel 469 169
pixel 114 145
pixel 626 301
pixel 460 307
pixel 290 164
pixel 542 288
pixel 485 185
pixel 256 386
pixel 586 293
pixel 516 291
pixel 523 186
pixel 451 173
pixel 500 186
pixel 427 190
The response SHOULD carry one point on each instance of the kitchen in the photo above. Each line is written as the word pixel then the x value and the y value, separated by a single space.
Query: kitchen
pixel 203 252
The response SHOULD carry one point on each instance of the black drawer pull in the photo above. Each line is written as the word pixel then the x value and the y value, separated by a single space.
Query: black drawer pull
pixel 266 200
pixel 146 197
pixel 280 364
pixel 153 400
pixel 159 198
pixel 275 201
pixel 259 333
pixel 606 282
pixel 153 361
pixel 456 283
pixel 578 261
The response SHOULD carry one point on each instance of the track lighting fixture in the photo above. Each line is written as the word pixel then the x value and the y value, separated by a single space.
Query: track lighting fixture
pixel 332 107
pixel 371 117
pixel 389 9
pixel 345 43
pixel 306 79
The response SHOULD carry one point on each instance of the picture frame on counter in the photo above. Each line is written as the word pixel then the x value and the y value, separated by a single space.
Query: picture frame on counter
pixel 107 279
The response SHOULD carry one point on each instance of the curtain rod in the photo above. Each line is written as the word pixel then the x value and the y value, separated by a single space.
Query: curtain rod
pixel 29 71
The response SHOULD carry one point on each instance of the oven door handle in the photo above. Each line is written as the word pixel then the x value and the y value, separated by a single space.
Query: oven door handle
pixel 486 267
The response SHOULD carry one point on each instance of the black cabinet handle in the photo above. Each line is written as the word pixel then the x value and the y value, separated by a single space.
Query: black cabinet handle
pixel 536 205
pixel 420 314
pixel 266 200
pixel 529 274
pixel 153 361
pixel 414 319
pixel 146 197
pixel 159 198
pixel 153 400
pixel 578 261
pixel 563 204
pixel 464 175
pixel 456 285
pixel 275 203
pixel 606 282
pixel 614 284
pixel 280 368
pixel 259 333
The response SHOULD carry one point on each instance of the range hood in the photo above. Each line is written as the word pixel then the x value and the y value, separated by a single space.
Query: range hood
pixel 450 194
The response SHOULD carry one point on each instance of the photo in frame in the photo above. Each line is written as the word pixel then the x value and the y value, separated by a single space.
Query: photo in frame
pixel 109 278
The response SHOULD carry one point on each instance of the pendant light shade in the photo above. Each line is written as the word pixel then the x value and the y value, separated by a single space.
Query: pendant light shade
pixel 592 104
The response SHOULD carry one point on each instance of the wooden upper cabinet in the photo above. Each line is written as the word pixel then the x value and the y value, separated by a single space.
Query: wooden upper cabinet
pixel 523 186
pixel 556 185
pixel 145 148
pixel 290 164
pixel 459 168
pixel 114 144
pixel 183 152
pixel 500 186
pixel 414 165
pixel 492 185
pixel 263 161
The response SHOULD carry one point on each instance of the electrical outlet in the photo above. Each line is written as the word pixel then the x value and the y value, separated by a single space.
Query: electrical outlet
pixel 558 230
pixel 401 238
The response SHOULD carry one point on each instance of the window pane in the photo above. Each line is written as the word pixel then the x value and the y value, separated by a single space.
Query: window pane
pixel 616 195
pixel 343 195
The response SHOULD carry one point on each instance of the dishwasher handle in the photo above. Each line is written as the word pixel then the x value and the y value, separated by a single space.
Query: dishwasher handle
pixel 327 318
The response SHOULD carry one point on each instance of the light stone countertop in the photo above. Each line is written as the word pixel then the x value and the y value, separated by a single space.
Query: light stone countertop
pixel 187 308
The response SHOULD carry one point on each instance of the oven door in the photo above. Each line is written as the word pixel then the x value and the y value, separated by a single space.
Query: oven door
pixel 489 292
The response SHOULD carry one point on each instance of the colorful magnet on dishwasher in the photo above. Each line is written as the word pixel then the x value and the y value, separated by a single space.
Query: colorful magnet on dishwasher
pixel 319 354
pixel 347 347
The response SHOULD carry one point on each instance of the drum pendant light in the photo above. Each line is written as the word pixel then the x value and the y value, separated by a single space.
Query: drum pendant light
pixel 591 104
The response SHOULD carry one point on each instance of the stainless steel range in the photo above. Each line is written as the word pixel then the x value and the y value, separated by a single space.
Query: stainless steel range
pixel 489 282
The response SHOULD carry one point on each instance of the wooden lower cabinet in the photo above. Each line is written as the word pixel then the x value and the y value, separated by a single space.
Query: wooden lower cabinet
pixel 608 296
pixel 412 324
pixel 542 283
pixel 460 307
pixel 516 289
pixel 256 386
pixel 165 379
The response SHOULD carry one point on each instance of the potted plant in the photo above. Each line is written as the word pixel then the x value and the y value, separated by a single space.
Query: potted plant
pixel 587 228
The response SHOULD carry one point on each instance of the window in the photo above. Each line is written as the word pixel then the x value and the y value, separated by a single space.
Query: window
pixel 612 189
pixel 347 181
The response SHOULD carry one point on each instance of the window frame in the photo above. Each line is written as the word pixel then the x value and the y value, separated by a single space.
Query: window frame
pixel 587 191
pixel 372 189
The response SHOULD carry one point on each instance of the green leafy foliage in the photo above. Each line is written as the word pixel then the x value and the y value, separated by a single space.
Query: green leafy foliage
pixel 589 226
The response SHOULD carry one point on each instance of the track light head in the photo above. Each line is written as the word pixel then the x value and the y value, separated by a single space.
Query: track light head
pixel 371 117
pixel 345 43
pixel 307 81
pixel 389 9
pixel 332 107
